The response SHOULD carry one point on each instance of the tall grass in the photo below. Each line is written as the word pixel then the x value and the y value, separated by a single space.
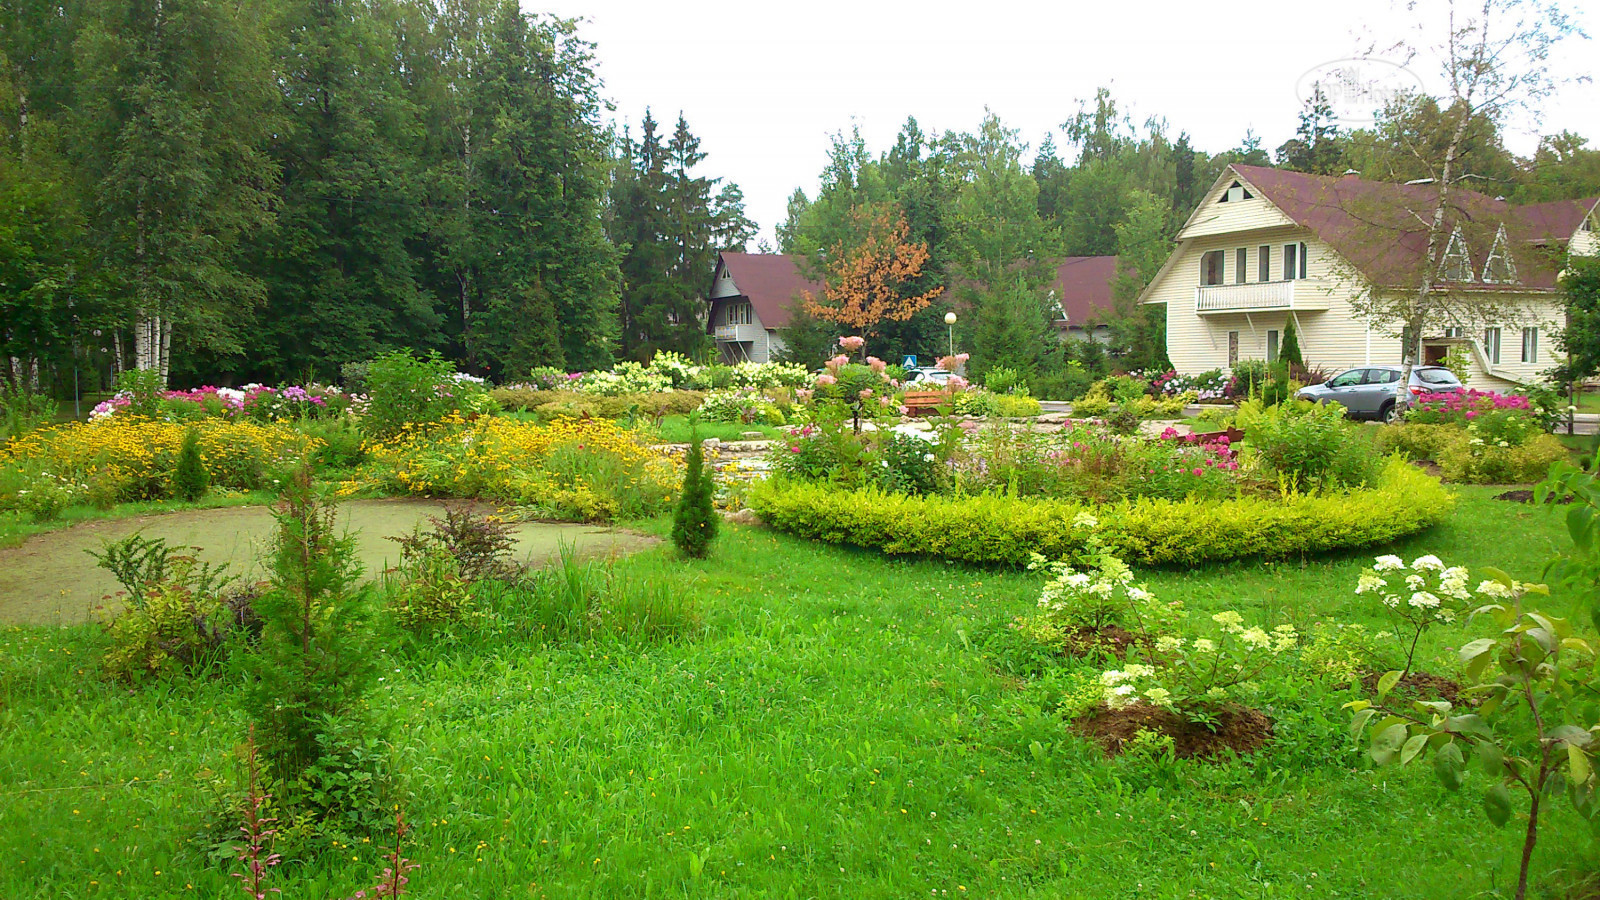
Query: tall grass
pixel 584 599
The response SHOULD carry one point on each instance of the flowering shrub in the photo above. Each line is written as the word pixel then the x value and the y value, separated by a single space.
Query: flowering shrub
pixel 741 406
pixel 1209 386
pixel 1464 406
pixel 133 459
pixel 1197 679
pixel 1100 594
pixel 1416 597
pixel 769 375
pixel 583 469
pixel 906 464
pixel 253 401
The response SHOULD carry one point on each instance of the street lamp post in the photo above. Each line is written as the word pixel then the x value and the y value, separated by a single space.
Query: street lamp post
pixel 950 322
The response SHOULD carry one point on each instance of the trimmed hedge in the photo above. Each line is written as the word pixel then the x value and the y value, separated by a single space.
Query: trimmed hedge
pixel 992 529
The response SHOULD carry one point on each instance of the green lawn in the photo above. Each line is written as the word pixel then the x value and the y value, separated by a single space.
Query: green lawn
pixel 834 732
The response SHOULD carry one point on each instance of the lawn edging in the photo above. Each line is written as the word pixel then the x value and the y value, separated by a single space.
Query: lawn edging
pixel 995 529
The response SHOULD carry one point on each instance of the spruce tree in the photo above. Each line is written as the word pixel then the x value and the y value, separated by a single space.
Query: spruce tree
pixel 190 480
pixel 694 525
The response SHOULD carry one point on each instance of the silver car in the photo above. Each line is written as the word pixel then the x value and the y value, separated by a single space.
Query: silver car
pixel 1370 392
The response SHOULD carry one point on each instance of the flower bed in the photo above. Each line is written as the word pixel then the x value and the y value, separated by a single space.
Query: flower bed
pixel 580 469
pixel 121 459
pixel 253 401
pixel 1151 531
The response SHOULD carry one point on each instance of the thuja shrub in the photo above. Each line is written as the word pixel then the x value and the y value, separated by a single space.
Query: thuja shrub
pixel 314 662
pixel 190 480
pixel 694 523
pixel 1150 531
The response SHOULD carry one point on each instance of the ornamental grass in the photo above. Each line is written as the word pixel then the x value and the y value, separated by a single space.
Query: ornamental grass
pixel 580 469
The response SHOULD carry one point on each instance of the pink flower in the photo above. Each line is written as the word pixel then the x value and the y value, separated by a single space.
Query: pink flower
pixel 1198 472
pixel 826 378
pixel 876 364
pixel 852 343
pixel 957 383
pixel 864 393
pixel 833 365
pixel 802 395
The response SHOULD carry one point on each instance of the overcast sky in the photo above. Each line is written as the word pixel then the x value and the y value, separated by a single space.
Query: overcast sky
pixel 764 84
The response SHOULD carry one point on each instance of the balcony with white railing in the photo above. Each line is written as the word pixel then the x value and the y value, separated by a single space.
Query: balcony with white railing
pixel 1302 294
pixel 737 333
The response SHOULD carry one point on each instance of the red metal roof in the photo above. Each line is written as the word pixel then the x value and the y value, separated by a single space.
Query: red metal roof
pixel 1083 285
pixel 771 281
pixel 1382 228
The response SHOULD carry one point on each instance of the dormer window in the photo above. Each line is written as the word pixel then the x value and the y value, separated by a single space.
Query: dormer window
pixel 1456 265
pixel 1498 268
pixel 1235 193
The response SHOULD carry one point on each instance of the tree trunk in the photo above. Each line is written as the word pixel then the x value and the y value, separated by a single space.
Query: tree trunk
pixel 1527 846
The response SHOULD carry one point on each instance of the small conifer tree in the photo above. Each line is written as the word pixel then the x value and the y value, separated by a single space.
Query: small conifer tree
pixel 1291 346
pixel 694 525
pixel 314 661
pixel 190 480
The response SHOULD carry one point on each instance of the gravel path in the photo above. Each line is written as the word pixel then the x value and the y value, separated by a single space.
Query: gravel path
pixel 51 580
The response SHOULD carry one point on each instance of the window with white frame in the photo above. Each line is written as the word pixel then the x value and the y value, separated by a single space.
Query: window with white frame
pixel 1454 331
pixel 1294 261
pixel 1264 262
pixel 1211 266
pixel 1530 345
pixel 1456 265
pixel 1241 265
pixel 1498 268
pixel 738 314
pixel 1491 345
pixel 1235 193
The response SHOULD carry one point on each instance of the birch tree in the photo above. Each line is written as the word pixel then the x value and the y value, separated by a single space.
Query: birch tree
pixel 1494 59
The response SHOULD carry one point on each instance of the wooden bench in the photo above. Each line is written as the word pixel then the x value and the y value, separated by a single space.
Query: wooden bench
pixel 917 402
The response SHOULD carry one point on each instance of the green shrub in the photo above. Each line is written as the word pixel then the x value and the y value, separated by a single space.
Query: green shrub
pixel 1006 380
pixel 1091 406
pixel 342 444
pixel 1465 462
pixel 1415 441
pixel 1012 406
pixel 190 479
pixel 1465 458
pixel 406 390
pixel 694 522
pixel 1310 446
pixel 353 376
pixel 1070 383
pixel 992 529
pixel 180 627
pixel 21 411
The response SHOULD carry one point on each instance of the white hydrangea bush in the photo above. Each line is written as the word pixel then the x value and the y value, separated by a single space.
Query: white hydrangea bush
pixel 1417 596
pixel 1200 678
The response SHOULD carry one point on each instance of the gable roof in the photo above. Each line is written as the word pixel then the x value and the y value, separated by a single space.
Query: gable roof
pixel 1083 286
pixel 1382 228
pixel 770 281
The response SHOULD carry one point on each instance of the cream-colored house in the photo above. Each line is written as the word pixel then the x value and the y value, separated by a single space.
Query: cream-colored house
pixel 1269 246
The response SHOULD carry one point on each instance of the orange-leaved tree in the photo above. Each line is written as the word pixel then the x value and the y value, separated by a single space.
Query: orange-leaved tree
pixel 867 281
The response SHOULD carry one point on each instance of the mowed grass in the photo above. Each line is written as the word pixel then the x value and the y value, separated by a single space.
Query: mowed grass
pixel 833 732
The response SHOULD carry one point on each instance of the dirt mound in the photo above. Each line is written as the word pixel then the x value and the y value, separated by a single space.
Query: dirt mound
pixel 1526 496
pixel 1417 686
pixel 1238 729
pixel 1114 640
